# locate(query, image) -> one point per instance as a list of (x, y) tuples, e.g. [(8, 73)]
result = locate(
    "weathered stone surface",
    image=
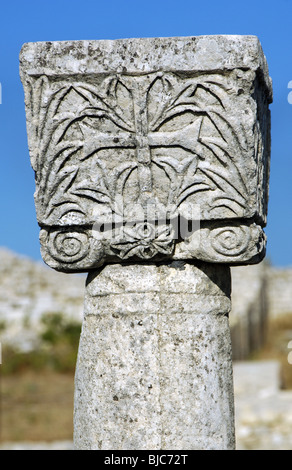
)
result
[(153, 135), (154, 367), (154, 154)]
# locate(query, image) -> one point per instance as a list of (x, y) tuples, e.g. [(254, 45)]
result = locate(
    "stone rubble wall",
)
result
[(260, 293), (250, 309), (28, 290), (280, 291)]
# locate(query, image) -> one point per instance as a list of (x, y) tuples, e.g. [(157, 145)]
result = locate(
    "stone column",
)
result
[(152, 167), (154, 368)]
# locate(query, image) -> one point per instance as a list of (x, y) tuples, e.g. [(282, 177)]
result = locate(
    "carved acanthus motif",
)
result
[(162, 142), (144, 118)]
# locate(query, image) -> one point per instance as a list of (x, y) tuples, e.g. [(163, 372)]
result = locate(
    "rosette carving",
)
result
[(144, 240)]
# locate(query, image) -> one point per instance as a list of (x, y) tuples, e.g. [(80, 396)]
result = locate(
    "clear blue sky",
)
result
[(31, 20)]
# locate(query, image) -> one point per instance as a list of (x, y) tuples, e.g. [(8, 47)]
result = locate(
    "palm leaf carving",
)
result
[(208, 101), (193, 115)]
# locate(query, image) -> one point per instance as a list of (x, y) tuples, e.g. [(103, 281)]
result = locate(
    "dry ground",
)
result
[(36, 406)]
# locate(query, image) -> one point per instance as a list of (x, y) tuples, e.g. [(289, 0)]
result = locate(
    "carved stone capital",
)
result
[(149, 149)]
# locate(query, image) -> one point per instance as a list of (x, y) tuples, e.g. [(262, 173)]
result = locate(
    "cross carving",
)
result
[(143, 140), (129, 140)]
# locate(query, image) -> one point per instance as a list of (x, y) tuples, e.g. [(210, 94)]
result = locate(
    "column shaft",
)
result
[(154, 368)]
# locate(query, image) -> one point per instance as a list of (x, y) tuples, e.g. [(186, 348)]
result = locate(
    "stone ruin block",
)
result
[(149, 149)]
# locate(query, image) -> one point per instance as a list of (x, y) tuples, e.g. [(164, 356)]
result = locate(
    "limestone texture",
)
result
[(154, 366), (151, 159), (154, 148)]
